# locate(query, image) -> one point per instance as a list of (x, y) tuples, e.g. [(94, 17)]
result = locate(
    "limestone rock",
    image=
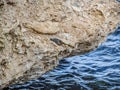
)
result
[(1, 40), (44, 27), (36, 34)]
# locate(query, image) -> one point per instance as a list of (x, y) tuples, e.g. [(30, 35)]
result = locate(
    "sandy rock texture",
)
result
[(36, 34)]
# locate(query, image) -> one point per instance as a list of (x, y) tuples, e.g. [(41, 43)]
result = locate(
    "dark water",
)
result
[(97, 70)]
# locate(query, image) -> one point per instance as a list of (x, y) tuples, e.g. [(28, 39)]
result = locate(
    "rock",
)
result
[(47, 27), (1, 40), (36, 34)]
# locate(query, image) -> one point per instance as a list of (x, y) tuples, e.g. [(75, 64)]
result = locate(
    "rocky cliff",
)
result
[(35, 34)]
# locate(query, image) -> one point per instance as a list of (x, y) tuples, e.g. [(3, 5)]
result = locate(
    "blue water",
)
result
[(97, 70)]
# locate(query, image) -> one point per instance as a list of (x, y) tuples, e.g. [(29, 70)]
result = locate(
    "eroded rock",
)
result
[(2, 41), (47, 27), (36, 34)]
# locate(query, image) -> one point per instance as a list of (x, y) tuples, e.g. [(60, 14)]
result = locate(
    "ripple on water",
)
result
[(97, 70)]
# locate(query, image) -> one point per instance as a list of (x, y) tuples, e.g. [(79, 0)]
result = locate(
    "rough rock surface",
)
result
[(35, 34)]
